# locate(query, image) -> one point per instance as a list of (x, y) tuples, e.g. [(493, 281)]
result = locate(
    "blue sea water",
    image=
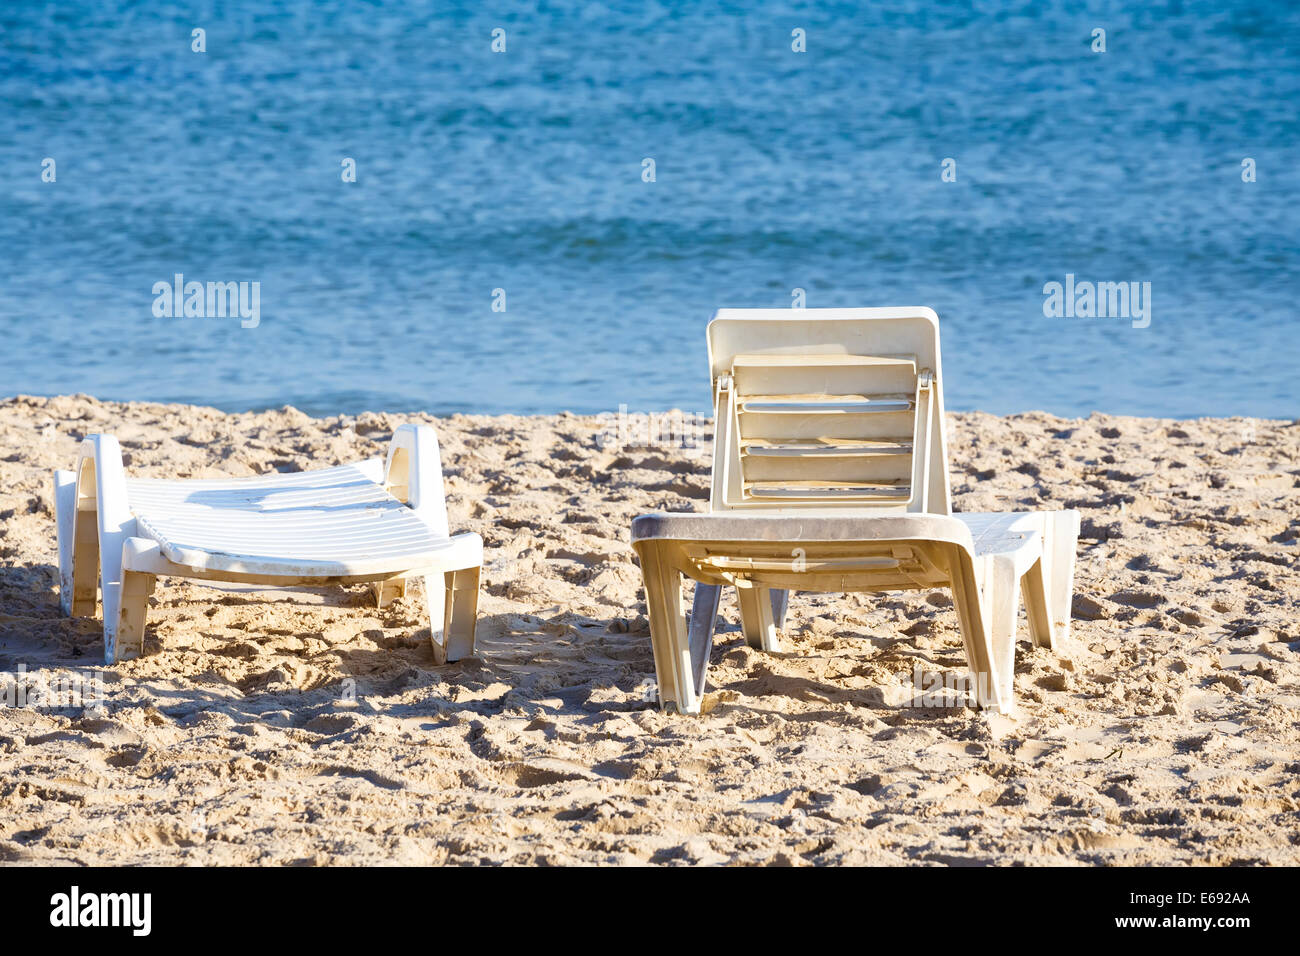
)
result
[(522, 171)]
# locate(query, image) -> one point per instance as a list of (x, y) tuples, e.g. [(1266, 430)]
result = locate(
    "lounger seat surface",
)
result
[(983, 533), (783, 527), (332, 522)]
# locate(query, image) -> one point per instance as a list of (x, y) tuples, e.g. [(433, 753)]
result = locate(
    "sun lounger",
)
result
[(372, 522), (830, 474)]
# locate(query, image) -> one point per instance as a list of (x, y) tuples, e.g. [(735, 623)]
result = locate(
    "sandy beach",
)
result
[(1169, 731)]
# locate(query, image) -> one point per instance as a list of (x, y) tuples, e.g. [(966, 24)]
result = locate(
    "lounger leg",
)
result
[(65, 510), (461, 600), (973, 613), (78, 548), (699, 632), (780, 604), (388, 590), (112, 587), (1060, 544), (1037, 610), (756, 619), (668, 634), (1002, 599), (435, 599), (128, 642)]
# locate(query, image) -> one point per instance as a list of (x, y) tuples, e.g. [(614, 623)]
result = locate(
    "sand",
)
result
[(1169, 730)]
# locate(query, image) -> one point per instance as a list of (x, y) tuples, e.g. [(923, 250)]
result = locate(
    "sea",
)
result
[(532, 208)]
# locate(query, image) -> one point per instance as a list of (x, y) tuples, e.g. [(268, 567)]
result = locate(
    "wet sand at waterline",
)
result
[(1169, 730)]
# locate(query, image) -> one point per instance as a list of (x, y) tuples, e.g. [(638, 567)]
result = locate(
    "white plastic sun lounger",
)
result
[(830, 474), (374, 522)]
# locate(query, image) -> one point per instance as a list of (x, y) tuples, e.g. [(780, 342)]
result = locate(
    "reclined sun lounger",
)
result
[(830, 474), (375, 522)]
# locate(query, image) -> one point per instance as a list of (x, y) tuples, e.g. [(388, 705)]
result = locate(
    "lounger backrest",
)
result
[(828, 409)]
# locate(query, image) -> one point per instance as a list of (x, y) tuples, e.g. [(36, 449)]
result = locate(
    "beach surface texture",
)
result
[(309, 727)]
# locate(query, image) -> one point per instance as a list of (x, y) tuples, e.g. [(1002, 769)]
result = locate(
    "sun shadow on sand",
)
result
[(581, 666), (516, 668), (34, 632), (30, 590)]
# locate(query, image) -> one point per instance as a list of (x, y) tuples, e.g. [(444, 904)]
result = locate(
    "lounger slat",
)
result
[(828, 489), (824, 447), (800, 565), (805, 360), (825, 404)]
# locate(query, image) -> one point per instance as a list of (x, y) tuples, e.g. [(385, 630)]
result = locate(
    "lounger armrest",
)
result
[(413, 474), (100, 475), (101, 497)]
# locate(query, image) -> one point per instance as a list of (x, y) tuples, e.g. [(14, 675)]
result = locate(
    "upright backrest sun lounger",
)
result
[(830, 474), (374, 521)]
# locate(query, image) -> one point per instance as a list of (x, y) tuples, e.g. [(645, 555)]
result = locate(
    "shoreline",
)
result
[(1165, 734), (703, 413)]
